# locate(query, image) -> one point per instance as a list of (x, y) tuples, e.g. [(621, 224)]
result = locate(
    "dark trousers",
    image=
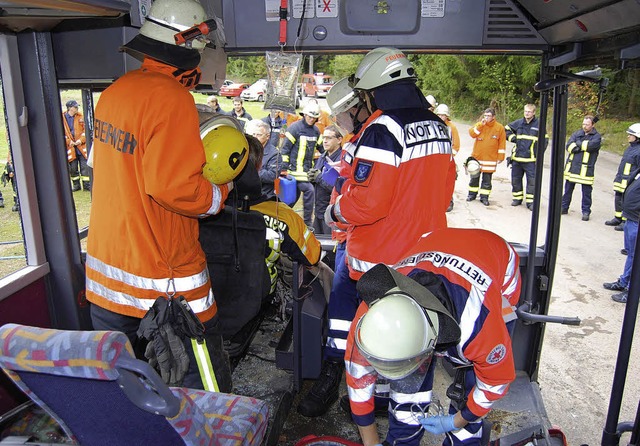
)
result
[(319, 225), (79, 173), (103, 319), (587, 189), (518, 171), (617, 203), (476, 186), (308, 199)]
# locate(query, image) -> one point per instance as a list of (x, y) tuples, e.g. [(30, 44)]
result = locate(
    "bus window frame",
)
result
[(17, 121)]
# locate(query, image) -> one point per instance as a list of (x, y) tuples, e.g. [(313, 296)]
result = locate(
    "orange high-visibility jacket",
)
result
[(148, 191), (78, 131), (490, 145)]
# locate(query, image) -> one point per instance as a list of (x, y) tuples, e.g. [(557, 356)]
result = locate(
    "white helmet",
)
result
[(441, 109), (397, 335), (634, 130), (382, 66), (311, 109), (168, 17), (341, 97), (432, 101), (472, 166)]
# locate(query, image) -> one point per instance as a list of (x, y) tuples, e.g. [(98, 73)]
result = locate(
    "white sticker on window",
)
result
[(327, 8), (432, 8), (298, 5)]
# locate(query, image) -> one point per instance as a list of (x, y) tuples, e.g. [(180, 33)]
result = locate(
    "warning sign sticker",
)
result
[(432, 8), (298, 5), (327, 8)]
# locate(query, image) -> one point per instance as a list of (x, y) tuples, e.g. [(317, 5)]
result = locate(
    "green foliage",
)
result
[(246, 69)]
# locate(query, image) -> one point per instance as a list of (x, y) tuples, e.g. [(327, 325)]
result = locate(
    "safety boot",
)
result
[(484, 200), (450, 206), (615, 221), (324, 392), (1, 202), (516, 202), (471, 197), (620, 227)]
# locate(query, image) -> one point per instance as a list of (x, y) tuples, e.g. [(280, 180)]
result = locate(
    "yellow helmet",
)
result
[(225, 148)]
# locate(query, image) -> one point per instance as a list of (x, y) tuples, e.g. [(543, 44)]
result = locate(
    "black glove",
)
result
[(167, 354), (313, 175), (509, 162), (576, 149)]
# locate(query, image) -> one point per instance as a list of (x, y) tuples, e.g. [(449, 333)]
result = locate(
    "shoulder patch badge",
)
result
[(362, 171), (497, 354)]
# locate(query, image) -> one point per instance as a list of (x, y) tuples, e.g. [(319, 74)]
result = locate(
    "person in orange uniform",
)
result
[(76, 141), (149, 191), (474, 275), (489, 149)]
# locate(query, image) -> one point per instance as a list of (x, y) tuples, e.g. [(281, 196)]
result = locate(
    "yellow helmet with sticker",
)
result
[(225, 147)]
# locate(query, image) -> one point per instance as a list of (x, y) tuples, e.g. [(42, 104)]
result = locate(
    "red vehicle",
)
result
[(233, 90)]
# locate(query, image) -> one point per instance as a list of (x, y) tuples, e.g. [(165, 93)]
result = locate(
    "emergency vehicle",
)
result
[(50, 45)]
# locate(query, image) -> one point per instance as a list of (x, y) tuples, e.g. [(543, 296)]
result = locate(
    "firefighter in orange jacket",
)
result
[(76, 142), (489, 149), (149, 191)]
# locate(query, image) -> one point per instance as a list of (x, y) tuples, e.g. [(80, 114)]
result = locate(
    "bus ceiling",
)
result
[(605, 32)]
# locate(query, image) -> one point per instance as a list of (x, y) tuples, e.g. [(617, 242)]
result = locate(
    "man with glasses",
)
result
[(271, 159), (324, 176), (489, 149)]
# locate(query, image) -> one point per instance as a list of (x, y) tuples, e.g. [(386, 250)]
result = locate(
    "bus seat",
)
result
[(93, 385)]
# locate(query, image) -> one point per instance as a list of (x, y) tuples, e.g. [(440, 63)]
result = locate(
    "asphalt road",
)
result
[(577, 363)]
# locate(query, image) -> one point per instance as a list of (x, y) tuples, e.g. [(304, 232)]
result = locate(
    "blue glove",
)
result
[(439, 424)]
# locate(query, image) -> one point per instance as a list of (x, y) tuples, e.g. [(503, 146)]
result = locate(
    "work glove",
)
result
[(509, 162), (329, 216), (313, 175), (167, 354), (576, 149), (439, 424)]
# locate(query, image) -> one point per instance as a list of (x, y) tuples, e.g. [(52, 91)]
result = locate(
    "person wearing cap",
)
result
[(523, 133), (489, 150), (149, 190), (442, 110), (448, 296), (76, 142), (302, 140)]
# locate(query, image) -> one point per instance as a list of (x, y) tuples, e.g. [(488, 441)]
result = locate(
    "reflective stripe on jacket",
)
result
[(583, 152), (148, 192), (489, 146), (630, 162), (482, 278), (525, 136), (401, 184), (78, 130), (299, 146), (287, 232)]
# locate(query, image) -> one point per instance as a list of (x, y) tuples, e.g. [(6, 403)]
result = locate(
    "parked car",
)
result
[(256, 92), (316, 85), (226, 83), (233, 90)]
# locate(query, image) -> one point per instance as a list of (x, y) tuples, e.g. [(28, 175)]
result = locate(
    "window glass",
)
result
[(12, 250)]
